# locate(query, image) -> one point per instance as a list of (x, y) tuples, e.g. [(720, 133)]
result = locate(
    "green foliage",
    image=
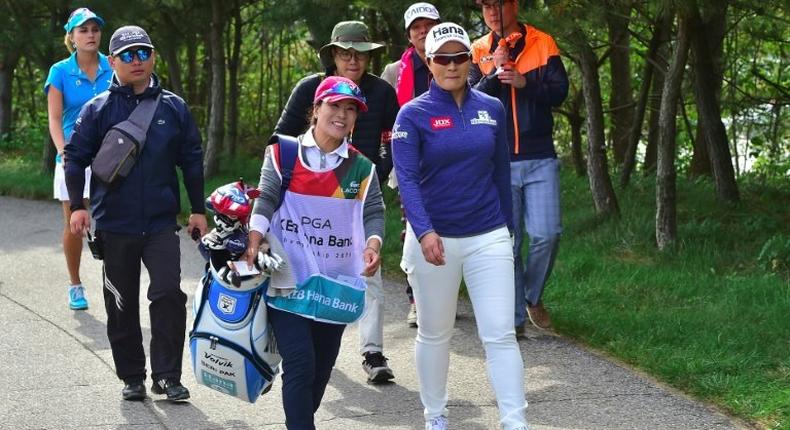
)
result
[(25, 141), (775, 254), (709, 317), (21, 177)]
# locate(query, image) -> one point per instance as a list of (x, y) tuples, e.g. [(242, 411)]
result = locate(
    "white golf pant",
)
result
[(371, 325), (485, 263)]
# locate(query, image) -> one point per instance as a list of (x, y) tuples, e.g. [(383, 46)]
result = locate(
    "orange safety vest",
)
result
[(538, 48)]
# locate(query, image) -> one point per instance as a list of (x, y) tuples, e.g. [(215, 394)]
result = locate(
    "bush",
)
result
[(775, 254)]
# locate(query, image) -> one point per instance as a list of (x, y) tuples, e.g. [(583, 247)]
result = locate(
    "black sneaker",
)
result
[(375, 364), (521, 331), (172, 387), (133, 391)]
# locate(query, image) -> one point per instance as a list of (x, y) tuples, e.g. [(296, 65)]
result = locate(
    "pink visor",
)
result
[(336, 88)]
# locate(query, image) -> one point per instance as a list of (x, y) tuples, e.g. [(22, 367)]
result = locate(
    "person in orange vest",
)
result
[(521, 66)]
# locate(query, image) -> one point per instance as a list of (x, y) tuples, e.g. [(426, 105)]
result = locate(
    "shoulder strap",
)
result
[(289, 148), (143, 114)]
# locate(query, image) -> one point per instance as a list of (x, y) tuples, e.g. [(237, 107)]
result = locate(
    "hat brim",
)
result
[(96, 18), (125, 47), (432, 17), (363, 107), (325, 53)]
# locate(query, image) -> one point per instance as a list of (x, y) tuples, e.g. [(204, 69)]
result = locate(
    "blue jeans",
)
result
[(535, 189), (309, 350)]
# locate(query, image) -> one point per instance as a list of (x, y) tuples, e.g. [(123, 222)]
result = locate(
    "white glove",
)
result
[(269, 262)]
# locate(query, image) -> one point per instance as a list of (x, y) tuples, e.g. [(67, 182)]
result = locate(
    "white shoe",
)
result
[(438, 423), (411, 318)]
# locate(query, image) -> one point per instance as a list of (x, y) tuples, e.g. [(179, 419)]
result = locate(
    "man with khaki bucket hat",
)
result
[(348, 55)]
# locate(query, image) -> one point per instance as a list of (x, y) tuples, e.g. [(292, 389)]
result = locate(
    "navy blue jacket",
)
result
[(147, 201), (452, 164)]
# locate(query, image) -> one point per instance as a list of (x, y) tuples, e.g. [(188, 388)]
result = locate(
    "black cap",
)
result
[(128, 36)]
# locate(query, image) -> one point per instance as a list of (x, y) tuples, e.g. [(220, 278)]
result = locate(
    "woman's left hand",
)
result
[(372, 260)]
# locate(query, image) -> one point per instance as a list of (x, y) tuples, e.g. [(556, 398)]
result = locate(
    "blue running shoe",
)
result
[(77, 300)]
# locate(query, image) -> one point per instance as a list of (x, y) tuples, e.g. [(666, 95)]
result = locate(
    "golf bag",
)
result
[(232, 345)]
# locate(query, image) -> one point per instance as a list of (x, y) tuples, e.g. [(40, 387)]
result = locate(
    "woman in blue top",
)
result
[(70, 84), (451, 160)]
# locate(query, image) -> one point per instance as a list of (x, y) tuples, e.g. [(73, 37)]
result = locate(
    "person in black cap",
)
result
[(136, 218), (348, 55)]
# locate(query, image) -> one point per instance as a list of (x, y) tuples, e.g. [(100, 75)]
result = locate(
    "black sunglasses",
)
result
[(143, 54), (457, 58)]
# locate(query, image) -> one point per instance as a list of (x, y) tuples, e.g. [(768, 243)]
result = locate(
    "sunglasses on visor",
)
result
[(143, 54), (344, 89), (457, 58)]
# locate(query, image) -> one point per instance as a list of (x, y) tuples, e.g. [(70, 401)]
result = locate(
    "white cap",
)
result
[(420, 10), (443, 33)]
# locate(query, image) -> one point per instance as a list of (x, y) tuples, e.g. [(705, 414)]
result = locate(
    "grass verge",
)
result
[(707, 317)]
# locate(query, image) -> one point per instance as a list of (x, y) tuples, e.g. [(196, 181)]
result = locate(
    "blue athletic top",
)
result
[(452, 163), (77, 88)]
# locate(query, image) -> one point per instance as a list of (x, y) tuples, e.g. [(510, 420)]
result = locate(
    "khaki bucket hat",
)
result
[(347, 35)]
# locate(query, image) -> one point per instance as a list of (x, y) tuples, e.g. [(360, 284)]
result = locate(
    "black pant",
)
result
[(161, 255), (309, 350)]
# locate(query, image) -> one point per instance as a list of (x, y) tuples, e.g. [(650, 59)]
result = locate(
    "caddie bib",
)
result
[(320, 226)]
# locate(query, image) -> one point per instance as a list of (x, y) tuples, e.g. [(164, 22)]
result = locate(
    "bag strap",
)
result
[(289, 149), (143, 114)]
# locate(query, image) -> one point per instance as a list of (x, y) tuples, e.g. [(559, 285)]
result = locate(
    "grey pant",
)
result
[(371, 325), (535, 187)]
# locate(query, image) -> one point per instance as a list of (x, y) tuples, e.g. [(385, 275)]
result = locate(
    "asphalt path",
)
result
[(56, 369)]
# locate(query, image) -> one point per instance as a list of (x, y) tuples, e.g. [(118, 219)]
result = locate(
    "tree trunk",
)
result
[(621, 101), (656, 96), (233, 81), (192, 69), (170, 55), (707, 78), (47, 57), (604, 198), (576, 121), (700, 160), (216, 130), (662, 29), (666, 187), (7, 66), (713, 30), (577, 153)]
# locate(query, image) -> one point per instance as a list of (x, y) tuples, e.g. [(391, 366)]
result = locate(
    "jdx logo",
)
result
[(442, 122)]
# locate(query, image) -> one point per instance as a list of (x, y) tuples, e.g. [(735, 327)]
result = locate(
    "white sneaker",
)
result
[(411, 318), (438, 423)]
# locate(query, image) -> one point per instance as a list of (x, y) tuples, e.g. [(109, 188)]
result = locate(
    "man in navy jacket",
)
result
[(136, 218)]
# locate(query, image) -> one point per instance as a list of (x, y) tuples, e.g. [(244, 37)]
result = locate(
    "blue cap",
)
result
[(81, 16)]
